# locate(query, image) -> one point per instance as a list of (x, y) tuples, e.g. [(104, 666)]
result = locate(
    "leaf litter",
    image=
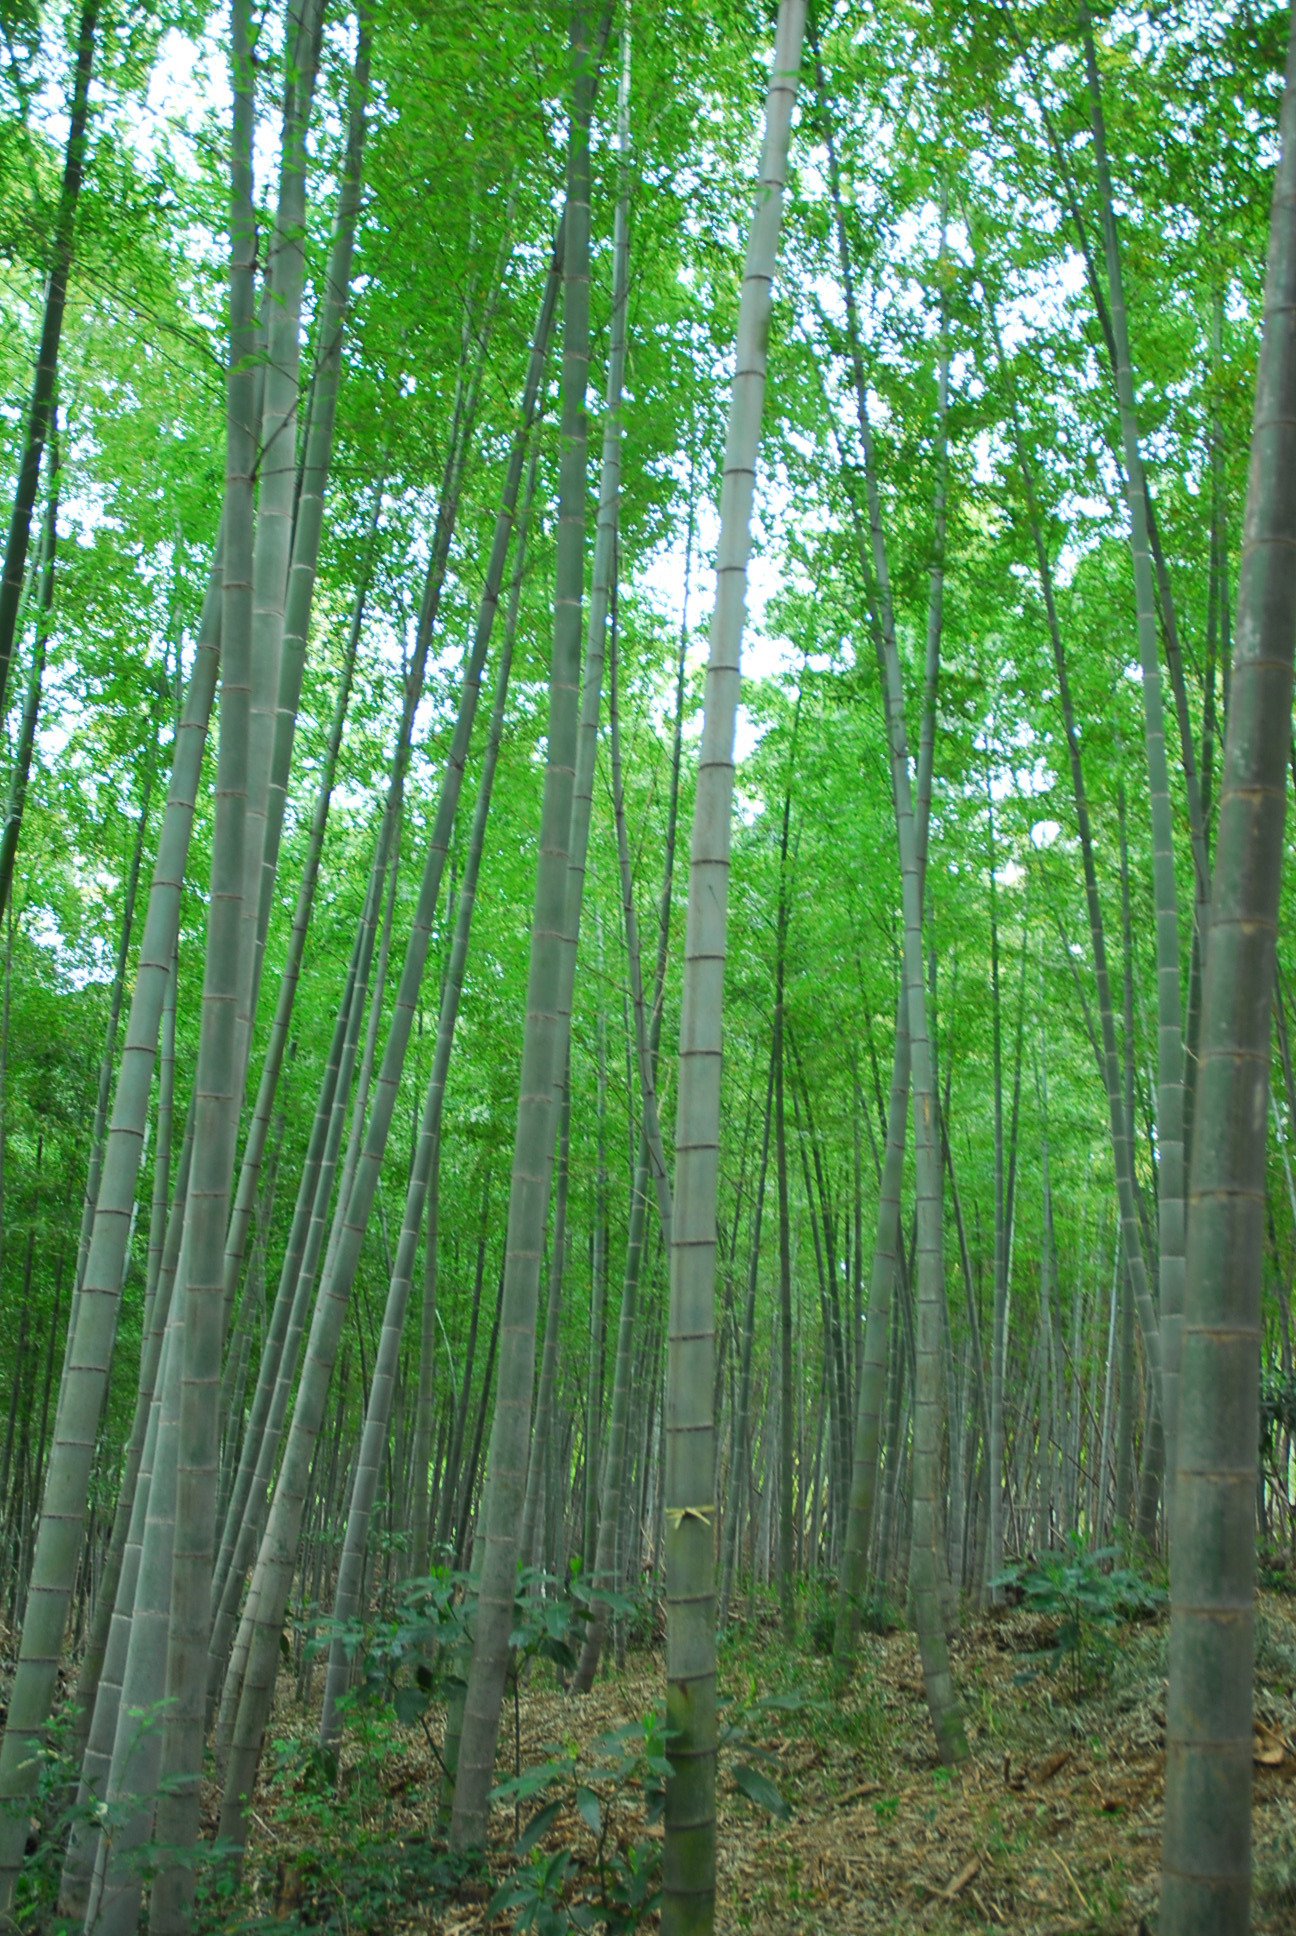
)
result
[(1052, 1828)]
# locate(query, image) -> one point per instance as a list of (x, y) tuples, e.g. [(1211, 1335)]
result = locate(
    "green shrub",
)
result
[(821, 1619), (1089, 1596)]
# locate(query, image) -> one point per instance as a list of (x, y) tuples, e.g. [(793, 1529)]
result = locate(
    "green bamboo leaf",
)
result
[(409, 1703), (540, 1823), (760, 1789), (587, 1802)]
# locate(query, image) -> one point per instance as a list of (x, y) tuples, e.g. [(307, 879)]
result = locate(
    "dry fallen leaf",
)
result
[(966, 1874), (857, 1794)]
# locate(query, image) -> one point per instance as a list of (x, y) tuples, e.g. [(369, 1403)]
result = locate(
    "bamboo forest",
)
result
[(647, 1086)]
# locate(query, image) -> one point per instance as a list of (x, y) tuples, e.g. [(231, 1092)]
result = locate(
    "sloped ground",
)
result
[(1053, 1829)]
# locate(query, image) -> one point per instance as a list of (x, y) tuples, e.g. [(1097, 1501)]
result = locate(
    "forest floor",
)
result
[(1053, 1828)]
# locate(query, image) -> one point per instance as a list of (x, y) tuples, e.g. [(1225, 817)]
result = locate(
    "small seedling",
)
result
[(1089, 1595)]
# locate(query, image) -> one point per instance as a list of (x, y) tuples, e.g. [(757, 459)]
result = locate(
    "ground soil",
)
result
[(1052, 1828)]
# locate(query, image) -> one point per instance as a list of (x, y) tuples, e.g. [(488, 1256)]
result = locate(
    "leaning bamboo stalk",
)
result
[(387, 879), (290, 973), (647, 1029), (378, 1410), (245, 1517), (868, 1418), (103, 1667), (542, 1426), (739, 1462), (40, 410), (1170, 1064), (473, 1466), (247, 1530), (548, 1016), (306, 529), (650, 1156), (198, 1303), (836, 1350), (279, 1542), (93, 1330), (96, 1713), (317, 1165), (130, 1789), (1125, 1408), (602, 604), (300, 1265), (1206, 1856), (999, 1307), (450, 1485), (597, 1326), (108, 1060), (252, 1316), (896, 1431), (1196, 788), (786, 1563), (164, 1132), (1122, 1154), (690, 1846), (980, 1417), (942, 1700), (421, 1501), (276, 481), (21, 771)]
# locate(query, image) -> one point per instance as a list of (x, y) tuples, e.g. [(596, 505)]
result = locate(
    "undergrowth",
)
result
[(1088, 1596)]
